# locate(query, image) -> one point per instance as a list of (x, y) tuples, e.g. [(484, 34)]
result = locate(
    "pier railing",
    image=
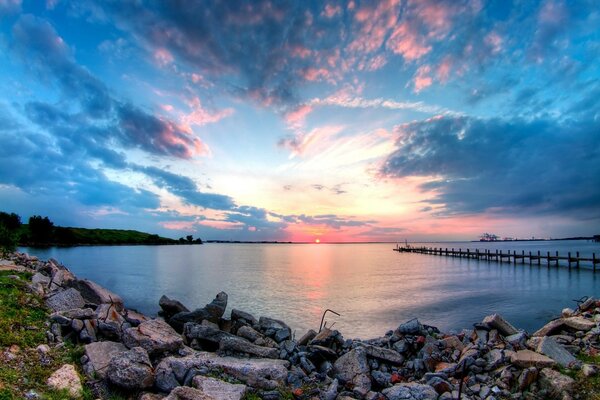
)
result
[(570, 260)]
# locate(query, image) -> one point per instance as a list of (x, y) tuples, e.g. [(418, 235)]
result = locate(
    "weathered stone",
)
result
[(244, 316), (528, 358), (332, 391), (567, 312), (440, 385), (249, 333), (586, 305), (353, 367), (204, 334), (495, 321), (236, 344), (453, 342), (212, 312), (527, 377), (66, 378), (151, 396), (78, 313), (260, 373), (99, 355), (410, 391), (266, 323), (282, 334), (96, 294), (135, 318), (88, 333), (131, 370), (555, 383), (219, 389), (322, 352), (307, 337), (579, 323), (549, 328), (171, 307), (589, 370), (110, 321), (77, 325), (382, 353), (550, 347), (188, 393), (518, 339), (40, 278), (155, 336), (65, 300), (412, 327), (324, 338)]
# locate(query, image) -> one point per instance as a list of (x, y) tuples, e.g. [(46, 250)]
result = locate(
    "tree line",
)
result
[(41, 231)]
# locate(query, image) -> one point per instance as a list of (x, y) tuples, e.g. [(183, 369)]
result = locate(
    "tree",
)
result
[(41, 229), (11, 221), (9, 230), (189, 238)]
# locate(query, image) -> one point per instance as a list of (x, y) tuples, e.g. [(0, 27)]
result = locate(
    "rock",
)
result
[(249, 333), (261, 373), (155, 336), (326, 337), (151, 396), (412, 327), (282, 334), (43, 349), (266, 323), (567, 312), (88, 333), (495, 321), (99, 355), (549, 328), (579, 323), (204, 334), (110, 321), (453, 342), (353, 367), (307, 337), (171, 307), (518, 339), (187, 393), (40, 278), (211, 312), (66, 377), (586, 305), (65, 300), (96, 294), (77, 325), (528, 358), (78, 313), (219, 389), (131, 370), (240, 345), (410, 391), (321, 352), (135, 318), (384, 354), (550, 347), (440, 385), (589, 370), (555, 383), (332, 391), (527, 377), (248, 318)]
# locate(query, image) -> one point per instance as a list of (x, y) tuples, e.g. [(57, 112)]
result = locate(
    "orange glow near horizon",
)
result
[(317, 241)]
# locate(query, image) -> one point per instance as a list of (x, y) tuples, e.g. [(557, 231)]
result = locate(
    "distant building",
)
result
[(488, 237)]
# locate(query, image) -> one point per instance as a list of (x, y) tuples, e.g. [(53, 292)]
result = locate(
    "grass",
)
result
[(587, 388)]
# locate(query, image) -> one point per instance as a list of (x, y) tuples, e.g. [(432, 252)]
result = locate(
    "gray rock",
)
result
[(131, 370), (171, 307), (187, 393), (261, 373), (135, 318), (412, 327), (381, 378), (249, 333), (204, 334), (239, 345), (155, 336), (440, 385), (248, 318), (579, 323), (527, 377), (410, 391), (88, 333), (110, 321), (353, 367), (40, 278), (96, 294), (555, 383), (332, 391), (382, 353), (266, 323), (495, 321), (211, 312), (78, 313), (282, 334), (65, 300), (66, 378), (219, 389), (550, 347), (528, 358), (517, 340), (99, 355), (77, 325), (589, 370), (307, 337), (549, 328)]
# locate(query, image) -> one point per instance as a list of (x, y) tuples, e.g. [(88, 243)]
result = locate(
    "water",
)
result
[(372, 287)]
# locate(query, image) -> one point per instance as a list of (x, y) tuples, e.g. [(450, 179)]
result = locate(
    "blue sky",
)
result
[(298, 120)]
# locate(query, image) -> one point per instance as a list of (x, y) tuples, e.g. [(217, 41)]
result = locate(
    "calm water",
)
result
[(372, 287)]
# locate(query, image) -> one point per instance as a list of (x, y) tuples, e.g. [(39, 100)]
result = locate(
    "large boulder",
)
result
[(239, 315), (239, 345), (219, 389), (410, 391), (65, 300), (188, 393), (384, 354), (495, 321), (171, 307), (274, 328), (412, 327), (66, 378), (96, 294), (260, 373), (550, 347), (131, 370), (528, 358), (555, 384), (99, 355), (155, 336), (353, 368), (211, 312)]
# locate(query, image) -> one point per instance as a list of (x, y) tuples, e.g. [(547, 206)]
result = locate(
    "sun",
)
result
[(317, 241)]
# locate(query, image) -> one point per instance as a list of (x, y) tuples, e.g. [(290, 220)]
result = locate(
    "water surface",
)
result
[(372, 287)]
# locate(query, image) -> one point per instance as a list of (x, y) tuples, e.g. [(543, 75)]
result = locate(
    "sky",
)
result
[(300, 120)]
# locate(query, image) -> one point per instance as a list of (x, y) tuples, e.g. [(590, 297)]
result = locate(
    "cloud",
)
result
[(507, 166)]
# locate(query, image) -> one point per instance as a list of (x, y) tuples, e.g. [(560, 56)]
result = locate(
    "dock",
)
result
[(569, 260)]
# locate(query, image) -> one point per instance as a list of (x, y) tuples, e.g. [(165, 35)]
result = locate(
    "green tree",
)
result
[(189, 238), (9, 230), (41, 229)]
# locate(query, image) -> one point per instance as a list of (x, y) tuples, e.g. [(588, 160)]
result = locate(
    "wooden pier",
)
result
[(570, 260)]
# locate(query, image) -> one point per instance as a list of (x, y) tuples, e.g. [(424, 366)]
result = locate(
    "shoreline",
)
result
[(266, 361)]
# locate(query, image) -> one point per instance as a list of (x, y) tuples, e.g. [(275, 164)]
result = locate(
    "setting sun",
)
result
[(317, 240)]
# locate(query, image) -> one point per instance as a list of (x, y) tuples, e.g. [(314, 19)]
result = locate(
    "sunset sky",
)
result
[(301, 120)]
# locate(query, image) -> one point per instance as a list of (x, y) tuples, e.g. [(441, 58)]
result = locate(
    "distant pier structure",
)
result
[(550, 258)]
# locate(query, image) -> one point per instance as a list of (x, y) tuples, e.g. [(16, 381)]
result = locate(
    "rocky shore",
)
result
[(206, 353)]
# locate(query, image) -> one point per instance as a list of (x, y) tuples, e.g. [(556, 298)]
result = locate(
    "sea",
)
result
[(371, 287)]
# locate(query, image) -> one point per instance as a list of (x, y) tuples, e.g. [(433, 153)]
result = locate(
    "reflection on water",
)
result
[(373, 288)]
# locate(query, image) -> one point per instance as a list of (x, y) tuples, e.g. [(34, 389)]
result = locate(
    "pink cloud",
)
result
[(443, 70), (295, 119), (331, 10), (163, 57), (422, 78), (199, 116), (406, 41), (315, 74), (374, 24), (494, 41), (178, 225)]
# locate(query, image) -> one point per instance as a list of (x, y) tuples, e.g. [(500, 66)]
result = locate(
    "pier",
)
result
[(569, 260)]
